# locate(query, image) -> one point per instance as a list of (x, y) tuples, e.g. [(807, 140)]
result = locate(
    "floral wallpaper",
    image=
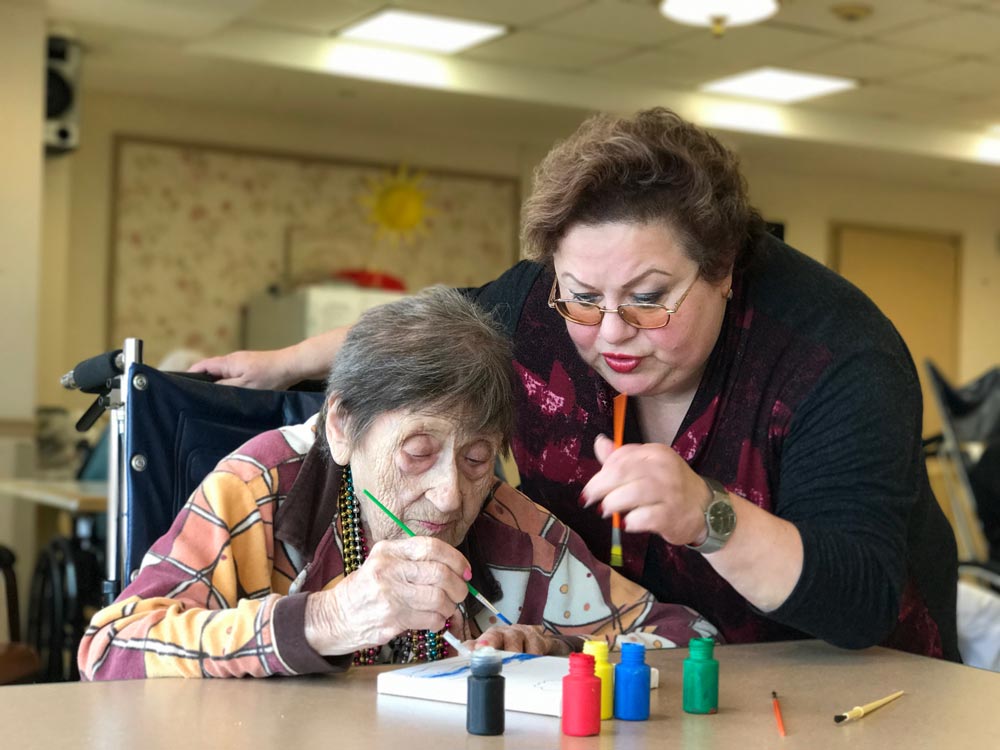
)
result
[(200, 230)]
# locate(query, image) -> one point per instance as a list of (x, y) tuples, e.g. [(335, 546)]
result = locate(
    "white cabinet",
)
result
[(276, 320)]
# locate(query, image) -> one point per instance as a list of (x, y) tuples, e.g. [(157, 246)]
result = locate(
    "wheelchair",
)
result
[(968, 454), (167, 432)]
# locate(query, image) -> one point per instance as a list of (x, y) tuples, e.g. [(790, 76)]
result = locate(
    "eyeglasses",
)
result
[(638, 314)]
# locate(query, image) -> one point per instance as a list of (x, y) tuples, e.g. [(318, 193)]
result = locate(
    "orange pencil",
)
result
[(616, 535), (777, 713)]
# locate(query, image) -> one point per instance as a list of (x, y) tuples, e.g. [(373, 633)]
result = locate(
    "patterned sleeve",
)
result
[(202, 604), (556, 581)]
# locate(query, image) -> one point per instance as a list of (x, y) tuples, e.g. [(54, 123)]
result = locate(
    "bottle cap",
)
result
[(633, 653), (597, 649), (701, 648), (581, 664), (486, 662)]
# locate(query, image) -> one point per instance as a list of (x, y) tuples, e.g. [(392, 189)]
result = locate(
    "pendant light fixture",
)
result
[(718, 14)]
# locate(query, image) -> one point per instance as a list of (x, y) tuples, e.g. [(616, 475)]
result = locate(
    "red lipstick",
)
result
[(621, 362)]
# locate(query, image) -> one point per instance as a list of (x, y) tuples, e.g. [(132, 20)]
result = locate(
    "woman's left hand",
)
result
[(652, 488), (526, 639)]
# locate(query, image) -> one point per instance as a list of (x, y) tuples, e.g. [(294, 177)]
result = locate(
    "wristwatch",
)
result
[(720, 520)]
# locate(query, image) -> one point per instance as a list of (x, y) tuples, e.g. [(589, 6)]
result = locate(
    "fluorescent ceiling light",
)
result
[(777, 85), (719, 14), (994, 128), (422, 31)]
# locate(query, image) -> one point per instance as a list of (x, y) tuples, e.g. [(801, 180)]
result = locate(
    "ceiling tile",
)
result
[(887, 101), (865, 60), (667, 69), (977, 111), (511, 12), (888, 14), (617, 21), (312, 16), (965, 78), (533, 49), (752, 46), (964, 32)]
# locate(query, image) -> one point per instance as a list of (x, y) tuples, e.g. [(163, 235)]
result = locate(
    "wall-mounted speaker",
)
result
[(62, 129)]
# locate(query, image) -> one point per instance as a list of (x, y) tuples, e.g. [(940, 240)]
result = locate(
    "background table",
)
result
[(65, 588), (68, 495), (946, 706)]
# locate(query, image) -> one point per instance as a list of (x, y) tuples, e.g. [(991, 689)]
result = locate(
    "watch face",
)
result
[(721, 519)]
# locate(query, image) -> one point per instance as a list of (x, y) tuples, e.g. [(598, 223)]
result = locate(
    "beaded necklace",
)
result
[(413, 645)]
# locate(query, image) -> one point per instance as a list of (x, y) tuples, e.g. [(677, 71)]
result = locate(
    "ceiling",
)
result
[(929, 72)]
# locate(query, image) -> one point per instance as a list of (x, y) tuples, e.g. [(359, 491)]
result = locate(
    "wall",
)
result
[(22, 45), (807, 204), (85, 325)]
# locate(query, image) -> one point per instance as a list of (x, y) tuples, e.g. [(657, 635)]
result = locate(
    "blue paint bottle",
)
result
[(632, 684)]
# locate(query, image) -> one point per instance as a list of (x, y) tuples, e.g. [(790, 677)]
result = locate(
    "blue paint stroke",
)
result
[(465, 668)]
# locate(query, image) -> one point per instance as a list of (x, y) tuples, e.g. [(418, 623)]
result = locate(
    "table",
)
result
[(65, 494), (946, 705)]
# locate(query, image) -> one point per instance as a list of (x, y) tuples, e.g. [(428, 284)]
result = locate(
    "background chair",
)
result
[(18, 661), (968, 453)]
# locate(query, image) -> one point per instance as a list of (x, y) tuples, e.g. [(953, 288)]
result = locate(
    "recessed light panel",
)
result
[(422, 31), (778, 85)]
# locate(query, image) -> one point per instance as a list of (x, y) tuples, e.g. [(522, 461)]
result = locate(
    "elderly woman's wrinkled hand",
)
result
[(652, 488), (404, 584), (526, 639)]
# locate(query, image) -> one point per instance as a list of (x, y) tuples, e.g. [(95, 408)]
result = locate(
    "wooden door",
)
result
[(913, 277)]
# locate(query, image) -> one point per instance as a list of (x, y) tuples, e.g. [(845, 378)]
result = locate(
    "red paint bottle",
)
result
[(581, 698)]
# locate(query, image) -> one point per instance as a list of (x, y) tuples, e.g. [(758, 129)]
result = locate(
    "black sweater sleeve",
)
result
[(848, 483)]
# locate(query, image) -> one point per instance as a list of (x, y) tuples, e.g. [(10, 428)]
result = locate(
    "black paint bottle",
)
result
[(485, 705)]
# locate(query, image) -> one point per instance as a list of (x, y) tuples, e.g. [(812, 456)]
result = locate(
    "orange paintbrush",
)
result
[(616, 521)]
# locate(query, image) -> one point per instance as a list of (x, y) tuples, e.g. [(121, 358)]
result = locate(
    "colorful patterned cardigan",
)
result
[(223, 593)]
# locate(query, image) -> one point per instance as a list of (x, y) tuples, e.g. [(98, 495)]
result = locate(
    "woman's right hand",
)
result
[(415, 583), (266, 370), (277, 368)]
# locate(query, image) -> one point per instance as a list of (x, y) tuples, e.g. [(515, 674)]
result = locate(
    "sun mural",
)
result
[(397, 205)]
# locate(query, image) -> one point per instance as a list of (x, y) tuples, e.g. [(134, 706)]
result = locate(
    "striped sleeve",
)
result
[(203, 604)]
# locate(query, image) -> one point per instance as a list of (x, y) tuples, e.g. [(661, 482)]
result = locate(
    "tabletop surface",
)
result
[(65, 494), (945, 705)]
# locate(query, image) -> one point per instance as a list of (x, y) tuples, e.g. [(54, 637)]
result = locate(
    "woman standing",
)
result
[(773, 477)]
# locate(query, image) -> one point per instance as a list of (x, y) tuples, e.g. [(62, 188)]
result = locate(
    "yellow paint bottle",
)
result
[(606, 671)]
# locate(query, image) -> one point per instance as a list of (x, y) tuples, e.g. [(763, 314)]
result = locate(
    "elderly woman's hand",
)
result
[(526, 639), (414, 583), (652, 488)]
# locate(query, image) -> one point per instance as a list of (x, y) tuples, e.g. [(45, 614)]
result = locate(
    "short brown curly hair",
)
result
[(652, 167)]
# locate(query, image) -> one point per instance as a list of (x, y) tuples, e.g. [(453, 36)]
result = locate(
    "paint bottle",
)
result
[(484, 710), (701, 678), (606, 673), (581, 698), (632, 684)]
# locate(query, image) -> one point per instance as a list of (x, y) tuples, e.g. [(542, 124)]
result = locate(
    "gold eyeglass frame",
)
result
[(555, 305)]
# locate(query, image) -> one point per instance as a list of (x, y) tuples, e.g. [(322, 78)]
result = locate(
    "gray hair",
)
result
[(436, 351)]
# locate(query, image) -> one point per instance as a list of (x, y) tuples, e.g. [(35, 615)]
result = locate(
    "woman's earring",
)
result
[(729, 294)]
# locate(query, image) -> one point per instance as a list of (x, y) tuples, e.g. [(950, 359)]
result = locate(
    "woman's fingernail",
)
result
[(600, 507), (467, 575), (582, 500), (621, 523)]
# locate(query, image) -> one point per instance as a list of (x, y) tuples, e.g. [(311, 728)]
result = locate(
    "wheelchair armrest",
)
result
[(986, 572)]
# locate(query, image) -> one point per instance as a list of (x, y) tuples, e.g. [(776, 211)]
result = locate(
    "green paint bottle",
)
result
[(701, 678)]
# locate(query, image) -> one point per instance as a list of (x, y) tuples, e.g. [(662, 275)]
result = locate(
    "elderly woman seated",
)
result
[(279, 564)]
